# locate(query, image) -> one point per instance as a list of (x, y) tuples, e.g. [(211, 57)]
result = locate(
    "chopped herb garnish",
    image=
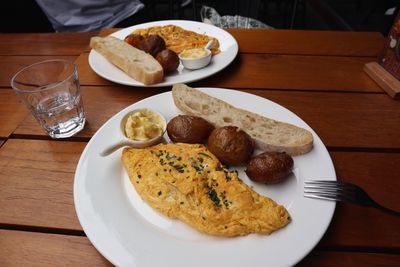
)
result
[(159, 193), (214, 197), (170, 156), (198, 167)]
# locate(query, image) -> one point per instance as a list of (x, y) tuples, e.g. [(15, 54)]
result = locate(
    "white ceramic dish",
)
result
[(228, 46), (125, 141), (128, 232), (196, 63)]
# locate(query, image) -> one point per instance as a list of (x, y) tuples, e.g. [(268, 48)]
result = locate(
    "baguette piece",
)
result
[(136, 63), (268, 134)]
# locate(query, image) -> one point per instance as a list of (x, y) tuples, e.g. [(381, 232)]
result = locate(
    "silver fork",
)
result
[(342, 191)]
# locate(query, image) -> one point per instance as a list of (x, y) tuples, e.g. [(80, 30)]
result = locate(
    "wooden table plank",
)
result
[(334, 259), (303, 42), (10, 65), (307, 42), (36, 183), (44, 44), (339, 119), (377, 174), (38, 249), (12, 112), (36, 180), (260, 71), (345, 120)]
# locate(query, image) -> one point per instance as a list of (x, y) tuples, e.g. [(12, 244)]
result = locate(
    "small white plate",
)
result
[(228, 46), (128, 232)]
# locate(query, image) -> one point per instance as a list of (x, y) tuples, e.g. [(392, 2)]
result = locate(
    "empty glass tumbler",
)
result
[(51, 91)]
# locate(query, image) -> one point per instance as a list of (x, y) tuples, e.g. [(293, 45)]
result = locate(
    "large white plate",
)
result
[(130, 233), (228, 46)]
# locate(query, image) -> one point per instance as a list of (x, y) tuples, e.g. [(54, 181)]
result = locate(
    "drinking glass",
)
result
[(51, 91)]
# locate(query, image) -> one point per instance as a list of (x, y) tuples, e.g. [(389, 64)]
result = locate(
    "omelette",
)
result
[(178, 39), (187, 182)]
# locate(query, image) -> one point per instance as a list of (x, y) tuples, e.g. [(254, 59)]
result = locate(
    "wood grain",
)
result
[(10, 65), (38, 249), (261, 71), (341, 120), (44, 44), (12, 112), (377, 174), (300, 42), (311, 73), (36, 181), (345, 120), (385, 80), (334, 259)]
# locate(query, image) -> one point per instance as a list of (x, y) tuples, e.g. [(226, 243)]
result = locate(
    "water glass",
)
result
[(51, 91)]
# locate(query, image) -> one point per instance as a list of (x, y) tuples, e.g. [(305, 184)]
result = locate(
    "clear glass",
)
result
[(51, 91)]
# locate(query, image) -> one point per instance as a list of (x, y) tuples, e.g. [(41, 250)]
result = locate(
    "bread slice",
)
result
[(136, 63), (268, 134)]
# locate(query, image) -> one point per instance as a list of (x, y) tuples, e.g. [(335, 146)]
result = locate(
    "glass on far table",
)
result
[(51, 91)]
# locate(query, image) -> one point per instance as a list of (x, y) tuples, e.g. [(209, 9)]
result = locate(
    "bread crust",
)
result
[(268, 134), (136, 63)]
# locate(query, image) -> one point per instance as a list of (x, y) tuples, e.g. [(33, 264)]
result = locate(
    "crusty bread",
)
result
[(136, 63), (268, 134)]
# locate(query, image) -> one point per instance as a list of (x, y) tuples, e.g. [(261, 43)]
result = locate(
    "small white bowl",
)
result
[(125, 141), (196, 63)]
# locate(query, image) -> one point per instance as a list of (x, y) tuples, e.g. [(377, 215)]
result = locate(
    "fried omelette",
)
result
[(187, 182), (178, 39)]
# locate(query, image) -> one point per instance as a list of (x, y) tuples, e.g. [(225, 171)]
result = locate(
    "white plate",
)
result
[(228, 46), (128, 232)]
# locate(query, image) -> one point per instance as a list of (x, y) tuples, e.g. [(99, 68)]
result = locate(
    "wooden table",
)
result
[(317, 75)]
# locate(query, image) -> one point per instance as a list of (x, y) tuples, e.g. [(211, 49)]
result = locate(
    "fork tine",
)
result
[(342, 191), (322, 191), (336, 194), (326, 185), (321, 196), (323, 187), (320, 182)]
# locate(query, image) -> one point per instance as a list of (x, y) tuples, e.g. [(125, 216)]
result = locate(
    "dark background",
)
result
[(349, 15)]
